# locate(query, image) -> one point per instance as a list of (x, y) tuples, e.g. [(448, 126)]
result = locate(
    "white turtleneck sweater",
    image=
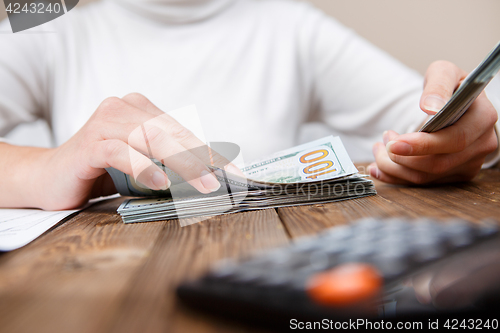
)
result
[(258, 71)]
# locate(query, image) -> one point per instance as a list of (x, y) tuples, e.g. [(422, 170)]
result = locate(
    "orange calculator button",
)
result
[(345, 285)]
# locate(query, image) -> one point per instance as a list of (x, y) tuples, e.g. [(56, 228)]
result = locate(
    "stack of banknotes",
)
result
[(466, 94), (313, 173)]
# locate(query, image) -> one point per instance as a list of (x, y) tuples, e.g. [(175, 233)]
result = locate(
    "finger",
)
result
[(164, 121), (441, 80), (135, 110), (207, 155), (478, 120), (119, 155), (445, 163), (389, 168), (420, 283), (141, 102), (478, 285), (172, 126), (220, 157), (198, 148), (159, 137), (117, 111), (186, 138), (388, 136), (118, 119), (465, 279), (164, 147), (377, 174)]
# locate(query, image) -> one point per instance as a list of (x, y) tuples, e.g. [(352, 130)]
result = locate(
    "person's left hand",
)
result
[(455, 153)]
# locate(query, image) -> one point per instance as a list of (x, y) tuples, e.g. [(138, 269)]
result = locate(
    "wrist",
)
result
[(42, 171), (25, 175)]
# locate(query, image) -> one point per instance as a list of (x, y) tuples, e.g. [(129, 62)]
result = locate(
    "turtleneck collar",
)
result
[(176, 11)]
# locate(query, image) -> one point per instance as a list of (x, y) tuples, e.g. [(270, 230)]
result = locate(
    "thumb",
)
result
[(441, 80)]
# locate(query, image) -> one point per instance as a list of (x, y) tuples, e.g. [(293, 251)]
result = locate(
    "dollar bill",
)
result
[(466, 94), (143, 210), (318, 160), (315, 161), (317, 172)]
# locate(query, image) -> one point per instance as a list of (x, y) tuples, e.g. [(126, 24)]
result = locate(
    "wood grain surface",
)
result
[(95, 274)]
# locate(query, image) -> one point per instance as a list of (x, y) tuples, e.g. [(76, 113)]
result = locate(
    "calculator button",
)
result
[(428, 248), (345, 285), (275, 279), (367, 224), (396, 226), (391, 263), (342, 232), (460, 233)]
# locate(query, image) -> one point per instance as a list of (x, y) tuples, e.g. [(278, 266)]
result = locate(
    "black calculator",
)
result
[(371, 268)]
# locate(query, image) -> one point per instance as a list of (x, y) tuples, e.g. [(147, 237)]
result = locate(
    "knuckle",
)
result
[(423, 146), (395, 158), (111, 149), (441, 63), (441, 166), (154, 134), (439, 88), (494, 144), (419, 178), (180, 132), (135, 96), (109, 109), (138, 165), (401, 160), (444, 65), (461, 141), (110, 103), (190, 164), (491, 144), (436, 64), (188, 167), (492, 117)]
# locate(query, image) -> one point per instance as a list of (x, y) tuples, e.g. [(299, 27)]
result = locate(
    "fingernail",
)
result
[(209, 181), (433, 103), (385, 137), (161, 181), (399, 148)]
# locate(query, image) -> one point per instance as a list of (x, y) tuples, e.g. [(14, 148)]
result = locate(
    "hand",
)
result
[(455, 153), (469, 279), (123, 134)]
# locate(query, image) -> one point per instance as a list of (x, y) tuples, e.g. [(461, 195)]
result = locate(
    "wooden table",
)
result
[(95, 274)]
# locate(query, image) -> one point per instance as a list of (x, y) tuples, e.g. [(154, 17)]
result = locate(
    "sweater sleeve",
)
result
[(359, 91), (23, 77)]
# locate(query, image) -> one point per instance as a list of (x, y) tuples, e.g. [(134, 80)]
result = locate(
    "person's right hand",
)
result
[(121, 133)]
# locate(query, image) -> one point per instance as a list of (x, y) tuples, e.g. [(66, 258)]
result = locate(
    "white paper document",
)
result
[(18, 227)]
